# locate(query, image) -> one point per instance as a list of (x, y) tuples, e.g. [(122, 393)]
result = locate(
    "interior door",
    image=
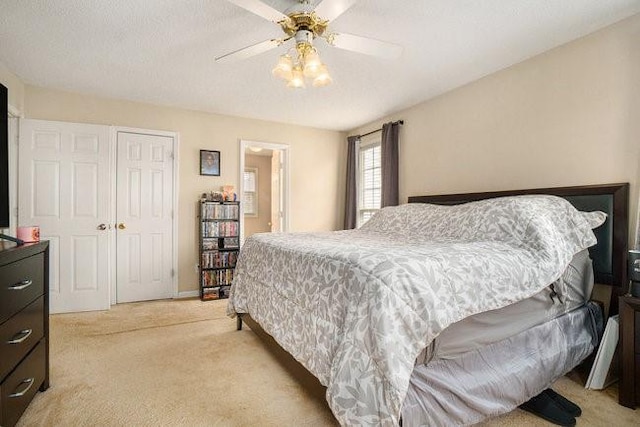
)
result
[(63, 186), (144, 225)]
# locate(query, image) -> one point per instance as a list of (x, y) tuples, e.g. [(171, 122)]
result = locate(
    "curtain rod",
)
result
[(399, 122)]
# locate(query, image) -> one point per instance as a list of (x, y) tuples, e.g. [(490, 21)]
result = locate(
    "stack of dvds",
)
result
[(215, 259), (212, 210), (219, 228), (211, 278)]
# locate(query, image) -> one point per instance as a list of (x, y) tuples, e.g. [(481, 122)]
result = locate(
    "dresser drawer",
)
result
[(19, 334), (21, 282), (21, 385)]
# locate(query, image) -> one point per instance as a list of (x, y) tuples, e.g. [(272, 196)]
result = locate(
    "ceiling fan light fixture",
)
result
[(284, 67), (303, 23), (306, 64)]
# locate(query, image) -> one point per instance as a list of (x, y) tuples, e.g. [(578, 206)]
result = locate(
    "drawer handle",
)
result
[(21, 285), (25, 334), (29, 382)]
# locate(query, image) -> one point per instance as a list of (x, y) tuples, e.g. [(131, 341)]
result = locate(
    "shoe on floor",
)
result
[(565, 403), (545, 407)]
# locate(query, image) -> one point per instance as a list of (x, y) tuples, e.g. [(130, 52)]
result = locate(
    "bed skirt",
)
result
[(495, 379)]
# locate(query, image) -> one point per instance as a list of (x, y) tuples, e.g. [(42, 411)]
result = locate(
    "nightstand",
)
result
[(629, 389)]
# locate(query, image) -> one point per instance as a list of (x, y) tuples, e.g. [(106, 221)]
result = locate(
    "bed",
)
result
[(370, 312)]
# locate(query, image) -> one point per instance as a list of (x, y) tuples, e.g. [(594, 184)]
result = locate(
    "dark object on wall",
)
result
[(209, 163), (4, 164), (4, 157)]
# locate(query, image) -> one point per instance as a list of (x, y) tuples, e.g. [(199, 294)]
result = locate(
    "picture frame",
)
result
[(209, 163)]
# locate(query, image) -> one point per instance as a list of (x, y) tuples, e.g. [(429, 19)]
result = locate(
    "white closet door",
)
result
[(144, 217), (63, 181)]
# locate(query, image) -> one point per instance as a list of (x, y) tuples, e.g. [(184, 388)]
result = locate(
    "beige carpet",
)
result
[(182, 363)]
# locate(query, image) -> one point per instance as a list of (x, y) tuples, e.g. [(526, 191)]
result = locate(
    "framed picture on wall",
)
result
[(209, 163)]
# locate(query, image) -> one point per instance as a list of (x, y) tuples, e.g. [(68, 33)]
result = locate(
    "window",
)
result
[(249, 187), (370, 182)]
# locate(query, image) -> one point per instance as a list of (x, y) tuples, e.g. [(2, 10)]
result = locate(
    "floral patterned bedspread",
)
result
[(356, 307)]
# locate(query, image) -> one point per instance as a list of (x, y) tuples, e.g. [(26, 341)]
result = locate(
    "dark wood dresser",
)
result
[(24, 327), (629, 389)]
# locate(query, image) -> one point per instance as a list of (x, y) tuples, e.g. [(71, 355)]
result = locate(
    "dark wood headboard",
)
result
[(610, 253)]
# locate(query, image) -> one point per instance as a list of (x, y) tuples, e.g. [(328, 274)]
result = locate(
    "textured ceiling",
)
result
[(162, 51)]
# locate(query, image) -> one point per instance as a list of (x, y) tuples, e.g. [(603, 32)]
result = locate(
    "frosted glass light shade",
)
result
[(283, 68), (312, 64), (322, 78), (297, 78)]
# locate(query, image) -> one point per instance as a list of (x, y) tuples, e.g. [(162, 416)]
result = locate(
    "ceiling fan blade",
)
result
[(331, 9), (365, 45), (249, 51), (260, 9)]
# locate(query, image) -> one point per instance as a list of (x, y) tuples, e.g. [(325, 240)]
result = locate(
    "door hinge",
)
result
[(171, 155), (173, 272)]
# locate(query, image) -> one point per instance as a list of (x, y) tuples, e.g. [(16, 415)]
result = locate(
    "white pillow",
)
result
[(595, 218)]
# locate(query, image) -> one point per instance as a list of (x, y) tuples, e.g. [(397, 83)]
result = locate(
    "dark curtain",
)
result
[(389, 170), (351, 200)]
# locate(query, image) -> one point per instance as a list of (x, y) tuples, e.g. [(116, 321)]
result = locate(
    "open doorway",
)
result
[(264, 184)]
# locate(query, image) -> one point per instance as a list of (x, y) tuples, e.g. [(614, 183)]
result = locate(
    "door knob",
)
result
[(122, 226), (102, 227)]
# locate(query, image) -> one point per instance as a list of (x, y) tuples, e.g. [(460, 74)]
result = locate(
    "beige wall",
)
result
[(15, 87), (567, 117), (317, 166), (260, 223)]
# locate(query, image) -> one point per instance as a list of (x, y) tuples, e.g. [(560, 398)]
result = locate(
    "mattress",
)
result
[(573, 290), (495, 379)]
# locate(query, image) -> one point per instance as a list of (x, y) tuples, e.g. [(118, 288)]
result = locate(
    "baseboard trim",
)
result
[(188, 294)]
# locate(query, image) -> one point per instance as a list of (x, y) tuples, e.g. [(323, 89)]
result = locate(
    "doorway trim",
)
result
[(114, 130), (286, 185)]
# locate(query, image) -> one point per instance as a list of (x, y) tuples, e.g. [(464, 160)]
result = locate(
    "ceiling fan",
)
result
[(304, 23)]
